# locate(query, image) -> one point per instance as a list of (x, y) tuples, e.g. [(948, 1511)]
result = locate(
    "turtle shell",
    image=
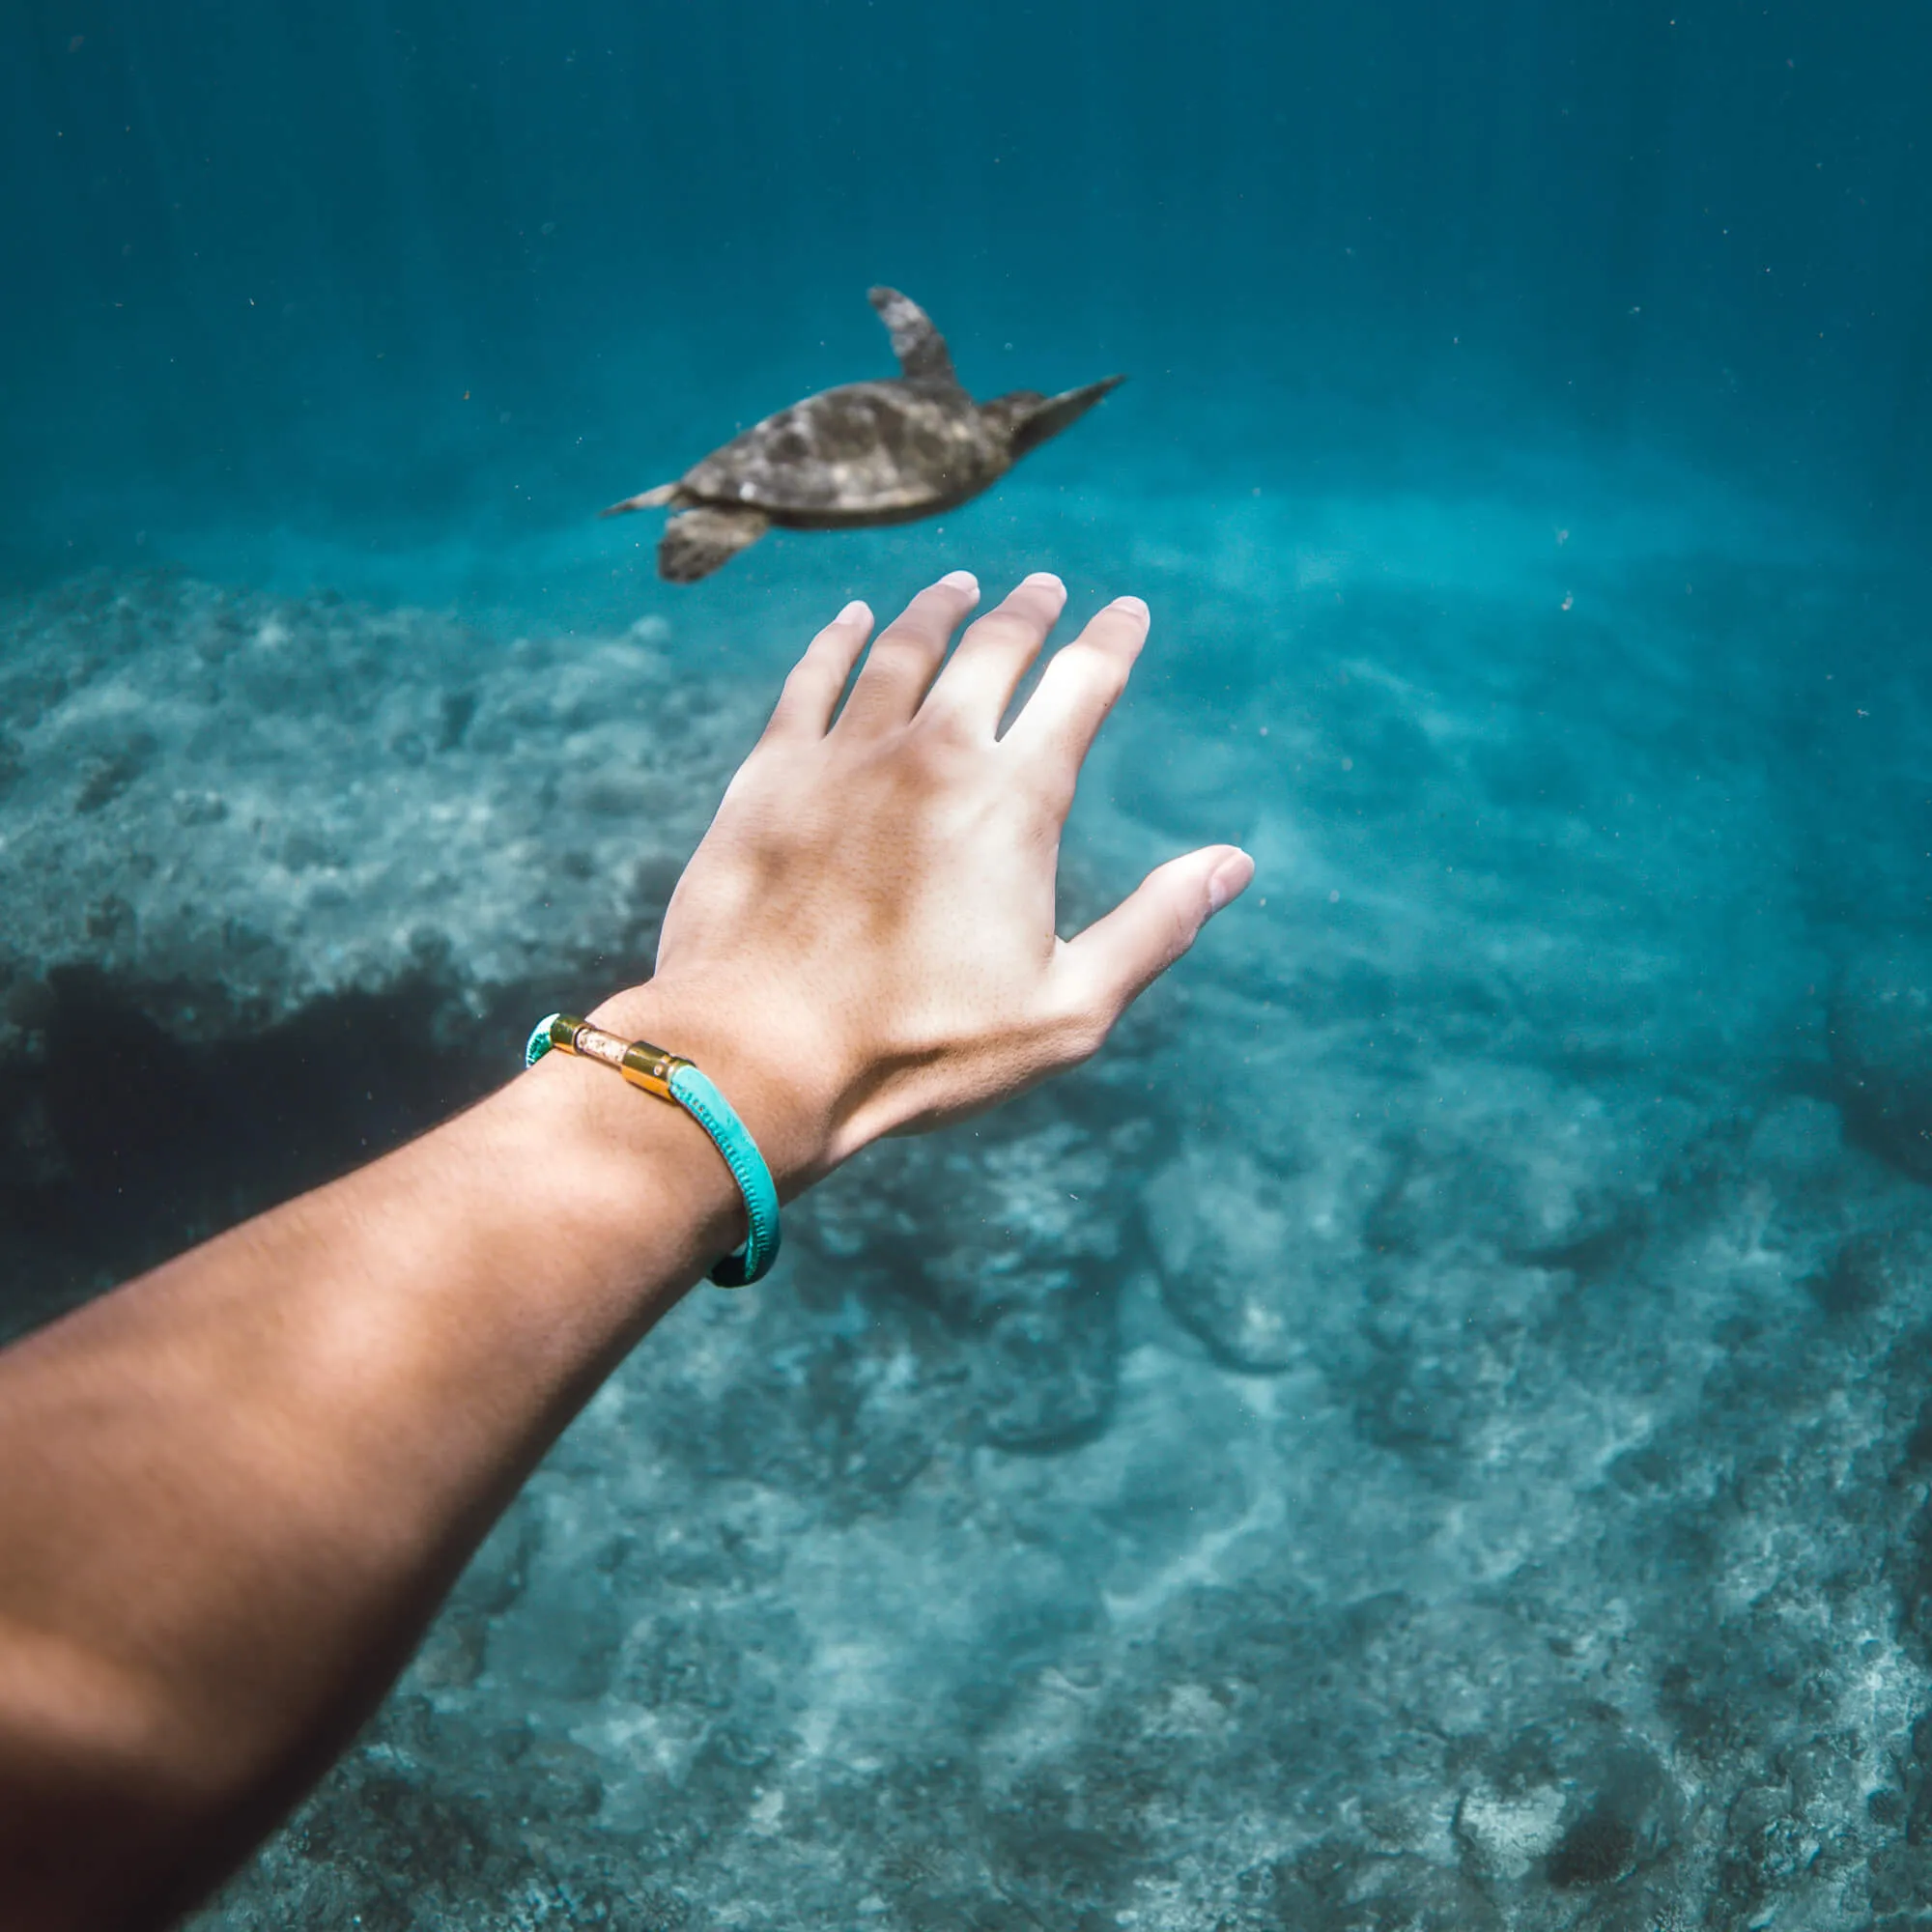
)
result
[(868, 452)]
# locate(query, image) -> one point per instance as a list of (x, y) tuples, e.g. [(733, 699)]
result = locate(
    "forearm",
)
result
[(232, 1492)]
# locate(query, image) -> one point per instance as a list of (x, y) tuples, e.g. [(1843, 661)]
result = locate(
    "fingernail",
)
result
[(853, 611), (1230, 877), (1046, 581), (1134, 606), (961, 580)]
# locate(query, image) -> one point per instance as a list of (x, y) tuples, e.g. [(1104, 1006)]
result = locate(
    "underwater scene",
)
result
[(1431, 1427)]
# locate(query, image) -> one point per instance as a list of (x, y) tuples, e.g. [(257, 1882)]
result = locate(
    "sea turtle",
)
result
[(885, 452)]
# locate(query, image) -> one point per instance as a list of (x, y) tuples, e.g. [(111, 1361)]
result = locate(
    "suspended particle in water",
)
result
[(1568, 600)]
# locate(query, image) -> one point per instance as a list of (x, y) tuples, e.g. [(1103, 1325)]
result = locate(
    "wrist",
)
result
[(772, 1094), (613, 1164)]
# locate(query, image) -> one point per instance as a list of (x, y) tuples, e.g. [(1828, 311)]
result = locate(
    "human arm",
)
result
[(233, 1493)]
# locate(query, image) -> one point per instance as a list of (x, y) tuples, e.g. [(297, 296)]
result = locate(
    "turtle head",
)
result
[(1027, 418)]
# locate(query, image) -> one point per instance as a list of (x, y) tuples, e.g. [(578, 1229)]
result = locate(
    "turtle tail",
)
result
[(649, 499)]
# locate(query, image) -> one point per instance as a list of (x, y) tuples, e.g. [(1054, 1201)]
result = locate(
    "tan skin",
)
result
[(233, 1493)]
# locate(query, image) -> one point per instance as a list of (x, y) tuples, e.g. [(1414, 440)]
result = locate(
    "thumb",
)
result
[(1118, 957)]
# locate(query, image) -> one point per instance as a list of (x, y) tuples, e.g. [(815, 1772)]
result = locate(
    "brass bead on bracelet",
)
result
[(641, 1064)]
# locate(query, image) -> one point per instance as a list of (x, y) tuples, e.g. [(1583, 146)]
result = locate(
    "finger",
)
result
[(1077, 690), (1118, 957), (813, 688), (906, 655), (810, 693), (975, 688)]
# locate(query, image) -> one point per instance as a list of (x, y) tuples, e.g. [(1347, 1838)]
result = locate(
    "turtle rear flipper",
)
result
[(1055, 415), (697, 541), (646, 499)]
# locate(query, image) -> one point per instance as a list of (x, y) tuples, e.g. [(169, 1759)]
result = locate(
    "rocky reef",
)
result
[(284, 877), (1430, 1430)]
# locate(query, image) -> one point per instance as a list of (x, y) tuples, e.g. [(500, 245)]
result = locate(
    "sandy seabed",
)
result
[(1431, 1429)]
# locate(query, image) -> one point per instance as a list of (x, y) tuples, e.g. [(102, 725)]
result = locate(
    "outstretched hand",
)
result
[(233, 1491), (864, 940)]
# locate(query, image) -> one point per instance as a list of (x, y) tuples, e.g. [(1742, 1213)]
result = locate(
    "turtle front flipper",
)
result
[(1032, 426), (697, 541), (923, 357)]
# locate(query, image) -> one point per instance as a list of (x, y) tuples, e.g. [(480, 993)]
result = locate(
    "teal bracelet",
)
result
[(669, 1078)]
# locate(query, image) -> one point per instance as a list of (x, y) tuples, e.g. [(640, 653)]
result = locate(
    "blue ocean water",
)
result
[(1433, 1428)]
